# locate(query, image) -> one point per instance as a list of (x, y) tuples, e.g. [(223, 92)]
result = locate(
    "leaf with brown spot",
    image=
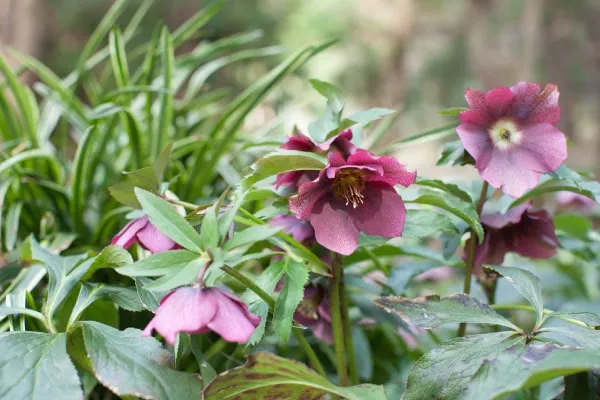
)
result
[(266, 376)]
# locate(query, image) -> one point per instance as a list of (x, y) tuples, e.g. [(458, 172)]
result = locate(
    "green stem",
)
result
[(348, 333), (471, 254), (335, 295), (312, 356)]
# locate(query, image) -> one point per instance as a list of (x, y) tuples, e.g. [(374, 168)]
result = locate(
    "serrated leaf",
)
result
[(36, 366), (296, 276), (283, 161), (126, 298), (590, 320), (250, 235), (572, 336), (526, 283), (455, 206), (137, 366), (166, 219), (422, 223), (167, 262), (110, 257), (209, 231), (433, 311), (267, 375)]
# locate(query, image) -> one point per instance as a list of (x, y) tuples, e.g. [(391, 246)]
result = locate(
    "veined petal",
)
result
[(230, 321), (499, 101), (334, 229), (504, 172), (154, 240), (309, 194), (544, 148), (476, 140), (127, 236), (382, 212)]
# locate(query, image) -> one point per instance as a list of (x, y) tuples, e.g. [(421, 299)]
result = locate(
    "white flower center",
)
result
[(505, 134)]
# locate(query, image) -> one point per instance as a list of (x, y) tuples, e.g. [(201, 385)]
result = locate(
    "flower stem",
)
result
[(312, 356), (335, 302), (348, 334), (471, 254)]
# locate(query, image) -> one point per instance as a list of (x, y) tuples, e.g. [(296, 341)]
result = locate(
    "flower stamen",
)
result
[(349, 185)]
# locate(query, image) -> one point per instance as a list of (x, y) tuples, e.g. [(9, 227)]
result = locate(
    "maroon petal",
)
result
[(335, 159), (382, 212), (506, 173), (476, 140), (231, 321), (322, 330), (299, 142), (499, 101), (533, 106), (334, 229), (127, 236), (491, 251), (342, 142), (392, 172), (309, 194), (477, 112), (513, 216), (299, 229), (534, 237), (544, 148), (152, 239)]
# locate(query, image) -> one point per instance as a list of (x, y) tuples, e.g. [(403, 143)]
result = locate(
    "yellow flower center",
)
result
[(349, 186), (505, 134)]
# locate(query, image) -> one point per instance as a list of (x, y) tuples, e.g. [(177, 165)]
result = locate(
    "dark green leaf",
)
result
[(126, 298), (251, 235), (283, 161), (267, 375), (588, 319), (185, 276), (433, 311), (209, 232), (573, 224), (296, 276), (422, 223)]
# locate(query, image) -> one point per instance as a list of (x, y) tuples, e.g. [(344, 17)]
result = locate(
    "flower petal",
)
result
[(254, 319), (382, 212), (544, 148), (342, 142), (299, 229), (476, 140), (322, 330), (230, 321), (478, 112), (388, 169), (513, 216), (534, 237), (154, 240), (127, 236), (299, 142), (333, 227), (533, 107), (506, 173), (499, 101), (309, 194)]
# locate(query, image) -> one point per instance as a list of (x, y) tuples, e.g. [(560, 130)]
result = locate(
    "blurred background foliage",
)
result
[(416, 56)]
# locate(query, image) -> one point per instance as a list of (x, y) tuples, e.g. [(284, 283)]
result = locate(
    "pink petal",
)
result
[(524, 101), (478, 112), (127, 236), (333, 227), (476, 140), (536, 107), (299, 229), (382, 213), (392, 172), (154, 240), (322, 330), (230, 321), (254, 319), (335, 159), (499, 101), (299, 142), (309, 194), (513, 216), (506, 173), (544, 148), (341, 141)]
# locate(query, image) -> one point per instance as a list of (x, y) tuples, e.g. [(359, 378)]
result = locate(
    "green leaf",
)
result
[(118, 58), (433, 311), (36, 366), (251, 235), (137, 366), (4, 311), (81, 179), (110, 257), (401, 276), (167, 262), (573, 224), (453, 153), (363, 118), (165, 113), (453, 205), (571, 336), (588, 189), (267, 375), (333, 94), (296, 276), (186, 276), (149, 299), (526, 283), (445, 187), (283, 161), (588, 319), (166, 219), (445, 372), (209, 231), (423, 223), (452, 111)]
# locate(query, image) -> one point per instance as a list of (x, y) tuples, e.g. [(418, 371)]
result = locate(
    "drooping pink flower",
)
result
[(300, 142), (352, 195), (511, 134), (143, 232), (529, 234), (575, 202), (300, 230), (200, 310), (314, 312)]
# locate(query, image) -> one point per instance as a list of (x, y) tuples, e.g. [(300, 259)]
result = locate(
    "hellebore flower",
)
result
[(529, 234), (511, 134), (300, 142), (314, 312), (352, 195), (199, 310), (576, 202), (142, 231), (300, 230)]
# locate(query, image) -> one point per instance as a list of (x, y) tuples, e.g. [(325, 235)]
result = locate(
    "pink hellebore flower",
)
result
[(352, 195), (300, 230), (199, 310), (529, 234), (300, 142), (576, 202), (314, 312), (511, 134), (142, 231)]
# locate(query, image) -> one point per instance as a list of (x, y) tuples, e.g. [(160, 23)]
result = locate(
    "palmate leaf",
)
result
[(268, 376)]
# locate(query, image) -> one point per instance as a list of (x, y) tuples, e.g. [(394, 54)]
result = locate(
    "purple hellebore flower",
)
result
[(199, 310), (142, 231), (576, 202), (300, 142), (529, 234), (511, 134), (300, 230), (352, 195), (314, 312)]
